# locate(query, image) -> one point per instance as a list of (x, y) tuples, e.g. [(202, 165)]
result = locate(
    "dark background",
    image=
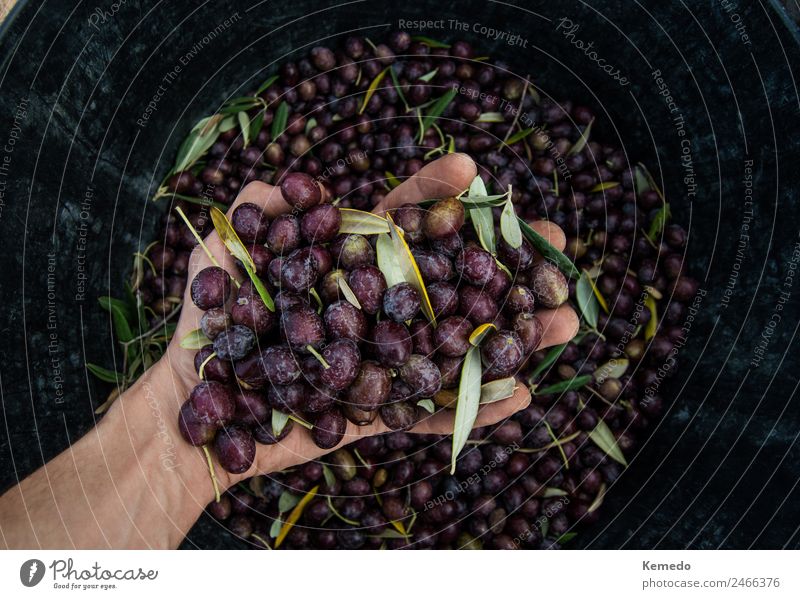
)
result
[(721, 468)]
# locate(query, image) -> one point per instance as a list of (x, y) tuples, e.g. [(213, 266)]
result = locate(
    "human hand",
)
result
[(445, 177)]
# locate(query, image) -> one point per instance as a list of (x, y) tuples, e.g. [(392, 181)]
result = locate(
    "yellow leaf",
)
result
[(230, 238), (603, 186), (400, 527), (362, 223), (195, 339), (479, 333), (652, 324), (372, 87), (295, 516), (405, 259), (392, 180), (348, 293)]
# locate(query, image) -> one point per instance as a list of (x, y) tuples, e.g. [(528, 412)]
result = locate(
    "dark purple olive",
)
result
[(444, 299), (401, 302), (549, 285), (250, 223), (422, 376), (321, 224), (194, 430), (530, 331), (214, 321), (301, 191), (283, 236), (329, 429), (278, 365), (476, 305), (211, 288), (264, 434), (235, 449), (451, 337), (302, 327), (344, 321), (214, 369), (251, 312), (251, 408), (343, 359), (392, 343), (213, 403), (234, 343), (503, 353), (371, 388), (400, 415), (475, 265), (443, 219), (368, 285), (299, 271), (433, 266), (351, 251), (519, 299), (287, 398)]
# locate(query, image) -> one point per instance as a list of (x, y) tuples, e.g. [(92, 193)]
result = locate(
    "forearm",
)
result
[(129, 483)]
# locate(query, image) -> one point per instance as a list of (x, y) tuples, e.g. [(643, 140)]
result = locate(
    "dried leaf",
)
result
[(469, 397), (603, 186), (598, 501), (295, 516), (652, 325), (605, 440), (391, 180), (362, 223), (372, 88), (498, 390), (348, 293), (480, 333)]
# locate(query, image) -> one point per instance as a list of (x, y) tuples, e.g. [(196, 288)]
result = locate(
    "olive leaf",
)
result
[(330, 478), (480, 201), (428, 76), (602, 436), (549, 358), (613, 369), (509, 224), (235, 246), (372, 88), (554, 492), (556, 443), (481, 217), (295, 516), (287, 501), (275, 529), (398, 87), (518, 136), (256, 124), (435, 112), (498, 390), (411, 273), (199, 239), (660, 219), (469, 397), (566, 538), (336, 513), (392, 180), (120, 316), (480, 333), (228, 123), (362, 223), (348, 293), (264, 86), (105, 375), (652, 325), (279, 121), (279, 421), (541, 245), (603, 186), (491, 117), (477, 188), (582, 140), (598, 501), (387, 261), (599, 296), (641, 183), (431, 43), (199, 201), (244, 125), (587, 301), (195, 339), (427, 404), (195, 145), (564, 386)]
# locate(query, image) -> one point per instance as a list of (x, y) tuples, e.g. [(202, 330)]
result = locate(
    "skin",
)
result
[(132, 482)]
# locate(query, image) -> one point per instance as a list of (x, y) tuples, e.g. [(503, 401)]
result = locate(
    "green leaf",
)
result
[(541, 245), (427, 404), (659, 221), (195, 339), (108, 376), (398, 87), (641, 183), (498, 390), (264, 86), (275, 529), (613, 369), (387, 260), (120, 315), (279, 121), (244, 125), (582, 140), (566, 538), (330, 478), (554, 492), (469, 397), (564, 386), (362, 223), (651, 327), (256, 124), (108, 303), (547, 361), (509, 225), (483, 223), (428, 76), (477, 188), (392, 180), (295, 516), (605, 440), (228, 123), (587, 302), (432, 43), (410, 270), (279, 420), (197, 143), (287, 501), (436, 111), (491, 117), (519, 136)]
